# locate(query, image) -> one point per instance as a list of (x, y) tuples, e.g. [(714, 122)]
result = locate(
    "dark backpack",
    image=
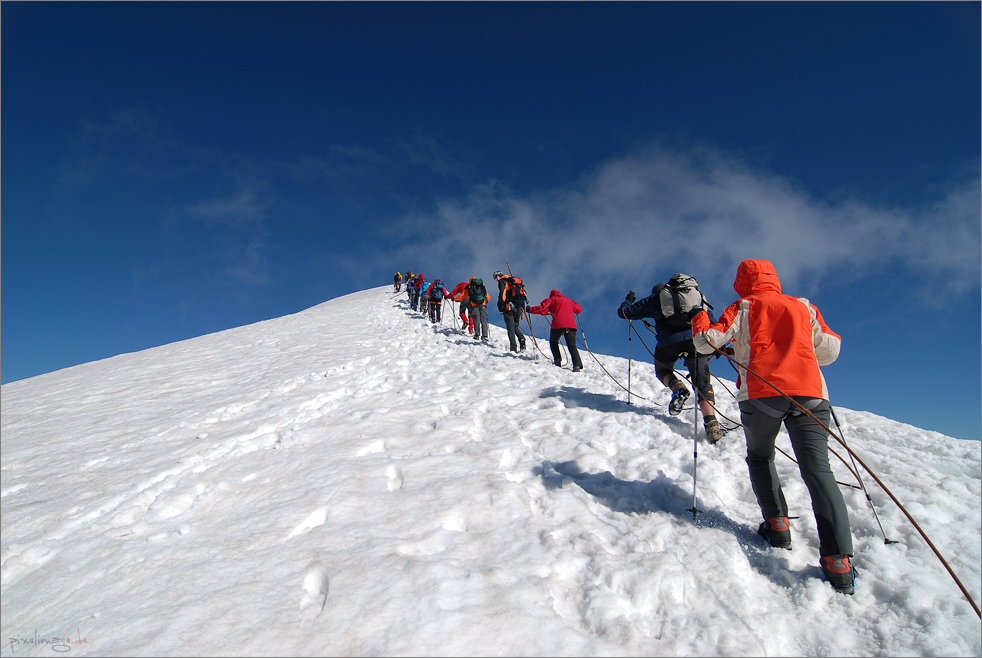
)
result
[(679, 298), (515, 292), (476, 292), (438, 290)]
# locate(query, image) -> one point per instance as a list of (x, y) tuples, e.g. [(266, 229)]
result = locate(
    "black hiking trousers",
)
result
[(762, 419), (557, 356), (698, 365), (436, 311)]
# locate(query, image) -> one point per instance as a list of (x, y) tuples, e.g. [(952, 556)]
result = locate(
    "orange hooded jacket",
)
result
[(779, 337)]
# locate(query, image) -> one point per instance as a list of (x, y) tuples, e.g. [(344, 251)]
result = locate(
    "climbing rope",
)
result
[(535, 343), (856, 458), (740, 368), (734, 423), (565, 360), (883, 486), (590, 352)]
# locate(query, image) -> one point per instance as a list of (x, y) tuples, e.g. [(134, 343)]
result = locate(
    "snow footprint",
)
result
[(372, 448), (395, 476), (316, 585), (316, 518)]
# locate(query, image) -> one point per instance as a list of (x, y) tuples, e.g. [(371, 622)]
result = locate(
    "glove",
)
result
[(723, 352), (700, 322), (631, 297)]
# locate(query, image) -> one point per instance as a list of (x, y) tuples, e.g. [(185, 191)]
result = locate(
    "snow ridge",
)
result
[(354, 480)]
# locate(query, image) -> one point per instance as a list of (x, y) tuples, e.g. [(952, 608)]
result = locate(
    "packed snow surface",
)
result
[(355, 480)]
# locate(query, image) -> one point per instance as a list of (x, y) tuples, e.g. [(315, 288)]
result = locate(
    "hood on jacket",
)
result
[(755, 276), (555, 293)]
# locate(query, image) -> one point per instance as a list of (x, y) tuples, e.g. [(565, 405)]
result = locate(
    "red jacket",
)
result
[(429, 291), (563, 310), (779, 337), (461, 290)]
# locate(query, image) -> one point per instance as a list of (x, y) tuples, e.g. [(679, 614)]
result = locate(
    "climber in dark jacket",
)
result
[(674, 341)]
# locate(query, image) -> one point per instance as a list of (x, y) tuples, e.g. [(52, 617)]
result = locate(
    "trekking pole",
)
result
[(535, 344), (606, 372), (583, 331), (861, 483), (695, 450), (629, 337), (528, 321)]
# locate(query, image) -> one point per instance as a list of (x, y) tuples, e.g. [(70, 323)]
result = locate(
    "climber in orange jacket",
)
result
[(784, 340)]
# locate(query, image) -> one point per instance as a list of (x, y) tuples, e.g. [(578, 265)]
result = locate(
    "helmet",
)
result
[(497, 273)]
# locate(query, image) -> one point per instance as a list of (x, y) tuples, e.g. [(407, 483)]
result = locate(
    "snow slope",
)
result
[(354, 480)]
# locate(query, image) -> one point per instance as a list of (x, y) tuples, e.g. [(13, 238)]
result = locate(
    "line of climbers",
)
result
[(428, 300), (512, 303), (779, 343)]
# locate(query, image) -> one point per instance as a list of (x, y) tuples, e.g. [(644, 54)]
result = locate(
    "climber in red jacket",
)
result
[(563, 311)]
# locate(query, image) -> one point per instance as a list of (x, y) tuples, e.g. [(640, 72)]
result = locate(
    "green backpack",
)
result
[(477, 293)]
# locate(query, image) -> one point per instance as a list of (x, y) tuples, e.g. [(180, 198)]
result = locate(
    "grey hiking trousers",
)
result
[(515, 333), (479, 314), (762, 419)]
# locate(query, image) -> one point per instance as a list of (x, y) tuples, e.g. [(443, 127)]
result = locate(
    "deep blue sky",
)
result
[(175, 169)]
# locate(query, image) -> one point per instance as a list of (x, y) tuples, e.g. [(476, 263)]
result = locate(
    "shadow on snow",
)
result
[(664, 495), (607, 403)]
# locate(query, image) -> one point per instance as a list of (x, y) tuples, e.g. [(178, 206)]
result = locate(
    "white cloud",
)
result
[(648, 215), (241, 209), (249, 262), (425, 150), (240, 231)]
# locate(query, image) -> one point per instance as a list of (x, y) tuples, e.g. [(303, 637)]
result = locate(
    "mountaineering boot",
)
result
[(521, 347), (679, 395), (840, 573), (777, 532), (713, 430), (577, 368)]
